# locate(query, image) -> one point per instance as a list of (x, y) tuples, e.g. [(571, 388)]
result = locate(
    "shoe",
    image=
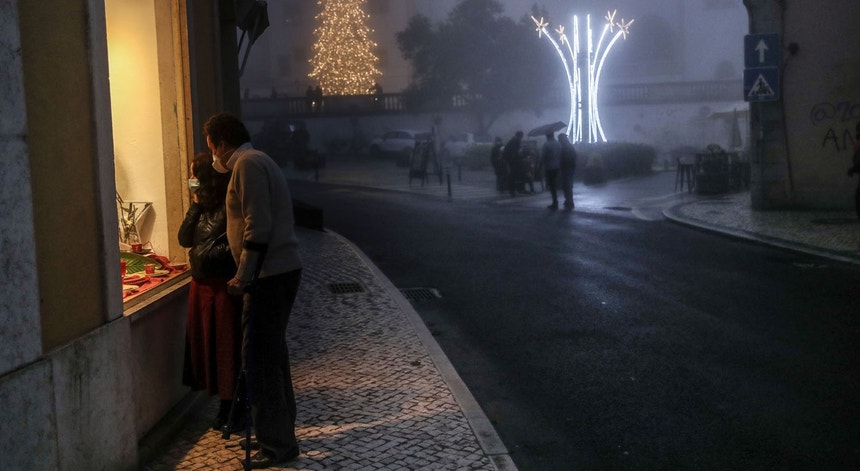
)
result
[(552, 206), (265, 459), (218, 423), (223, 414), (236, 426), (243, 444)]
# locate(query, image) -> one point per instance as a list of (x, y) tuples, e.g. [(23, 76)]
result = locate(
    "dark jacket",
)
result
[(512, 156), (496, 160), (568, 156), (205, 232)]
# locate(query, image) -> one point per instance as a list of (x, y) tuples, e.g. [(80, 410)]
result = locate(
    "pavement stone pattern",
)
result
[(369, 395), (829, 233)]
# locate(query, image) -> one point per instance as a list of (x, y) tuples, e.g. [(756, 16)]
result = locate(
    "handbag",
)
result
[(216, 259)]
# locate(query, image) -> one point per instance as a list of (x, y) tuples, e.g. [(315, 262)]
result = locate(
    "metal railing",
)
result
[(621, 94)]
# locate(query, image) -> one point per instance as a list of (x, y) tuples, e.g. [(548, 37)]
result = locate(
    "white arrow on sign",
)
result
[(761, 48)]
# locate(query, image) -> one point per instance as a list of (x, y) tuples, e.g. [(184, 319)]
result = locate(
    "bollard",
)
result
[(448, 174)]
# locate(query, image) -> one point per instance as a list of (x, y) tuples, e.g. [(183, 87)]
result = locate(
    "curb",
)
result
[(485, 433), (673, 214)]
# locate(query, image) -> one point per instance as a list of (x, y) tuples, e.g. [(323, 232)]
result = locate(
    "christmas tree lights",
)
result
[(344, 62)]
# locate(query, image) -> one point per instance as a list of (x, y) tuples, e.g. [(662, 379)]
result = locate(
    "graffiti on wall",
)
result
[(837, 120)]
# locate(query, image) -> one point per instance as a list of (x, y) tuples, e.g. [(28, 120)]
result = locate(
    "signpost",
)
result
[(762, 57)]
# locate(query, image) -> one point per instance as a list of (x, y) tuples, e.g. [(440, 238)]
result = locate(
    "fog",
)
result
[(675, 42)]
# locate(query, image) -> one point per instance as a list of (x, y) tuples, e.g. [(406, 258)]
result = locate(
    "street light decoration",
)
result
[(344, 62), (571, 56)]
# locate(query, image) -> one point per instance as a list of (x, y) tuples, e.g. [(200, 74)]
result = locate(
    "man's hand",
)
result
[(236, 286)]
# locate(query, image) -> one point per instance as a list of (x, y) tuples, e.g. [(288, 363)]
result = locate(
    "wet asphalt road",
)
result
[(595, 341)]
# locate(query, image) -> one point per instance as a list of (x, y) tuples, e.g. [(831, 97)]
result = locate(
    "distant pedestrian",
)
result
[(567, 170), (310, 99), (499, 165), (550, 158), (376, 90), (855, 168), (318, 98), (513, 158)]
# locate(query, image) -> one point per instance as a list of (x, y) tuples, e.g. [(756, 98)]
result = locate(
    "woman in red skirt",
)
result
[(214, 335)]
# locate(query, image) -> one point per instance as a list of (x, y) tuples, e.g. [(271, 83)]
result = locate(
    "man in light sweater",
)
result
[(261, 233)]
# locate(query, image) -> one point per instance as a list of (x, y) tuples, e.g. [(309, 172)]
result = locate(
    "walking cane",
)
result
[(242, 379)]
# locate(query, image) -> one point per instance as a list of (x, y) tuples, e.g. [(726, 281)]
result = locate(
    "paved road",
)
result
[(598, 341)]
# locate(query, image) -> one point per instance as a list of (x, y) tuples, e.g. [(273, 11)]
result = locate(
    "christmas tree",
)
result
[(343, 59)]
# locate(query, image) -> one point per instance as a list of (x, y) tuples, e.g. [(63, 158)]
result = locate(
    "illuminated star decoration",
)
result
[(541, 26), (610, 18), (561, 36), (596, 57), (624, 27)]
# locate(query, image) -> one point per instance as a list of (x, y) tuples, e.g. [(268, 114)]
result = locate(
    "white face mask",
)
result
[(193, 184), (216, 164)]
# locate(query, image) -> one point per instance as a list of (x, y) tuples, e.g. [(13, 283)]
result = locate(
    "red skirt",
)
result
[(213, 340)]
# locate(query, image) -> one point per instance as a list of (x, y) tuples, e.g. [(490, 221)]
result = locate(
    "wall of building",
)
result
[(821, 87), (801, 143), (66, 382), (19, 289)]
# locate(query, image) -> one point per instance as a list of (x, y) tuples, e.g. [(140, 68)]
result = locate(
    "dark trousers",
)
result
[(567, 186), (514, 179), (552, 184), (266, 359), (857, 200)]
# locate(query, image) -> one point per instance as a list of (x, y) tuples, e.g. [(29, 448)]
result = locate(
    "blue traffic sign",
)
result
[(761, 84), (762, 50)]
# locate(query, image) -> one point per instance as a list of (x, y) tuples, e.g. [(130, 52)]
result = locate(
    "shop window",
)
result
[(147, 84)]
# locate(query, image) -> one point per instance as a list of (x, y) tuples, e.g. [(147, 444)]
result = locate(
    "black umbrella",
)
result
[(547, 128)]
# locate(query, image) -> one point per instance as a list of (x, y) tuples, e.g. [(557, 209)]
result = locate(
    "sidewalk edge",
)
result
[(483, 429), (673, 214)]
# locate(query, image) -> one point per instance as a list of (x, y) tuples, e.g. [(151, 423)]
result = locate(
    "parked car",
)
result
[(398, 142)]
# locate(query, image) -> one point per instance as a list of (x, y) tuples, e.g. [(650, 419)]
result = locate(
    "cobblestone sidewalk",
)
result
[(832, 234), (373, 391)]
